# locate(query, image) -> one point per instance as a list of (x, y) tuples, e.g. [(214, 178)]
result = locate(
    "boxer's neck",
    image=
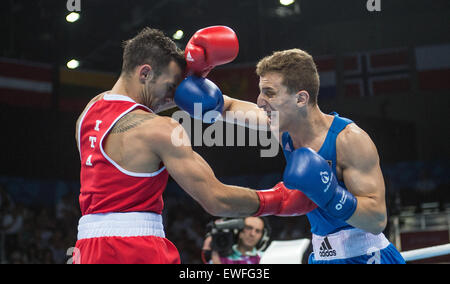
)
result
[(124, 86), (310, 128)]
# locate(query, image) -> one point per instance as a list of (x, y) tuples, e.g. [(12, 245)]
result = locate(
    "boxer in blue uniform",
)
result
[(334, 240), (329, 158)]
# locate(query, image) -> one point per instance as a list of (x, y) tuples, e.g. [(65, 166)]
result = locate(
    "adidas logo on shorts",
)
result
[(326, 250)]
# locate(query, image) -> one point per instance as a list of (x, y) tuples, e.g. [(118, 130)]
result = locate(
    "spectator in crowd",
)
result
[(247, 249)]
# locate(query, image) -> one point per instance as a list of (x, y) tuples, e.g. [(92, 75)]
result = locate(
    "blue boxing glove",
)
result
[(201, 98), (309, 172)]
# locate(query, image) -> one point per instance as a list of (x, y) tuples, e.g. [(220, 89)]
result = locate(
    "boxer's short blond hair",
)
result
[(297, 68)]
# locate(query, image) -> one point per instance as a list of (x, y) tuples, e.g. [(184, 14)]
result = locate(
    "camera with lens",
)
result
[(223, 233)]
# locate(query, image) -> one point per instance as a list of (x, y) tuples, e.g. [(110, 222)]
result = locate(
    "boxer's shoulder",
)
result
[(354, 146), (163, 131), (93, 100), (350, 134), (160, 125), (136, 120), (89, 104)]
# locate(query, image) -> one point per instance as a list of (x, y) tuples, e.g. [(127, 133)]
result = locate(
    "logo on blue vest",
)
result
[(287, 147)]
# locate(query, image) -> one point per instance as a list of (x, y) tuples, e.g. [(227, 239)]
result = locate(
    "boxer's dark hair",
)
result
[(151, 46), (297, 68)]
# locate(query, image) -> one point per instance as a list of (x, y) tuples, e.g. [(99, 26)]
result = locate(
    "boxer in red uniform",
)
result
[(127, 154)]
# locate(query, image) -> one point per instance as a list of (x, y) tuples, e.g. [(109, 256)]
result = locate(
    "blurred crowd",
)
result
[(37, 234)]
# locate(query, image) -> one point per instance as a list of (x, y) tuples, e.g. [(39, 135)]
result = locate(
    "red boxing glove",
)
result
[(210, 47), (281, 201)]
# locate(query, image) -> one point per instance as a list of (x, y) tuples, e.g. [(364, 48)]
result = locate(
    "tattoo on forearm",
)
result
[(130, 121)]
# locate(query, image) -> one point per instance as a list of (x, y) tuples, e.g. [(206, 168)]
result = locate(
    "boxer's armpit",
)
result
[(130, 121)]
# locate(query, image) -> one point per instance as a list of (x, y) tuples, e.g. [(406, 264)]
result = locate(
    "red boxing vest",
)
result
[(105, 186)]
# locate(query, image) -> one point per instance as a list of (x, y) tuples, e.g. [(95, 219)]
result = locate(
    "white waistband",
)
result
[(130, 224), (346, 244)]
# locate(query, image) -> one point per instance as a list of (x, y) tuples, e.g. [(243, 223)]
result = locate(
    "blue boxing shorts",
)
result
[(354, 246)]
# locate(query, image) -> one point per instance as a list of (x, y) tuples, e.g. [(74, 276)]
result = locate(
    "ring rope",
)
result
[(426, 252)]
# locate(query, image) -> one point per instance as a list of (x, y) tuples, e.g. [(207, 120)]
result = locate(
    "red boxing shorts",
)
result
[(123, 238)]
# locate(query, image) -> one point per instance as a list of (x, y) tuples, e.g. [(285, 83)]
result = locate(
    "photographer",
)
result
[(236, 241)]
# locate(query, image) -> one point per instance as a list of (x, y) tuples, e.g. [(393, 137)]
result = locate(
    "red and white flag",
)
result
[(433, 67), (25, 84)]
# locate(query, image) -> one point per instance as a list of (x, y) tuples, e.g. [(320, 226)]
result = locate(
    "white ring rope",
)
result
[(426, 252)]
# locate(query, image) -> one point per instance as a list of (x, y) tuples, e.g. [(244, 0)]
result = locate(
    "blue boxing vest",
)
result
[(321, 222)]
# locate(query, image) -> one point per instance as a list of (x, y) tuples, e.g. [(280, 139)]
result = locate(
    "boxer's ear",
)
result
[(145, 73), (302, 98)]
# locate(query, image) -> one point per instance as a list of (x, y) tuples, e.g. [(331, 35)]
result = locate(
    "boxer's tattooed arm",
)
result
[(130, 121)]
